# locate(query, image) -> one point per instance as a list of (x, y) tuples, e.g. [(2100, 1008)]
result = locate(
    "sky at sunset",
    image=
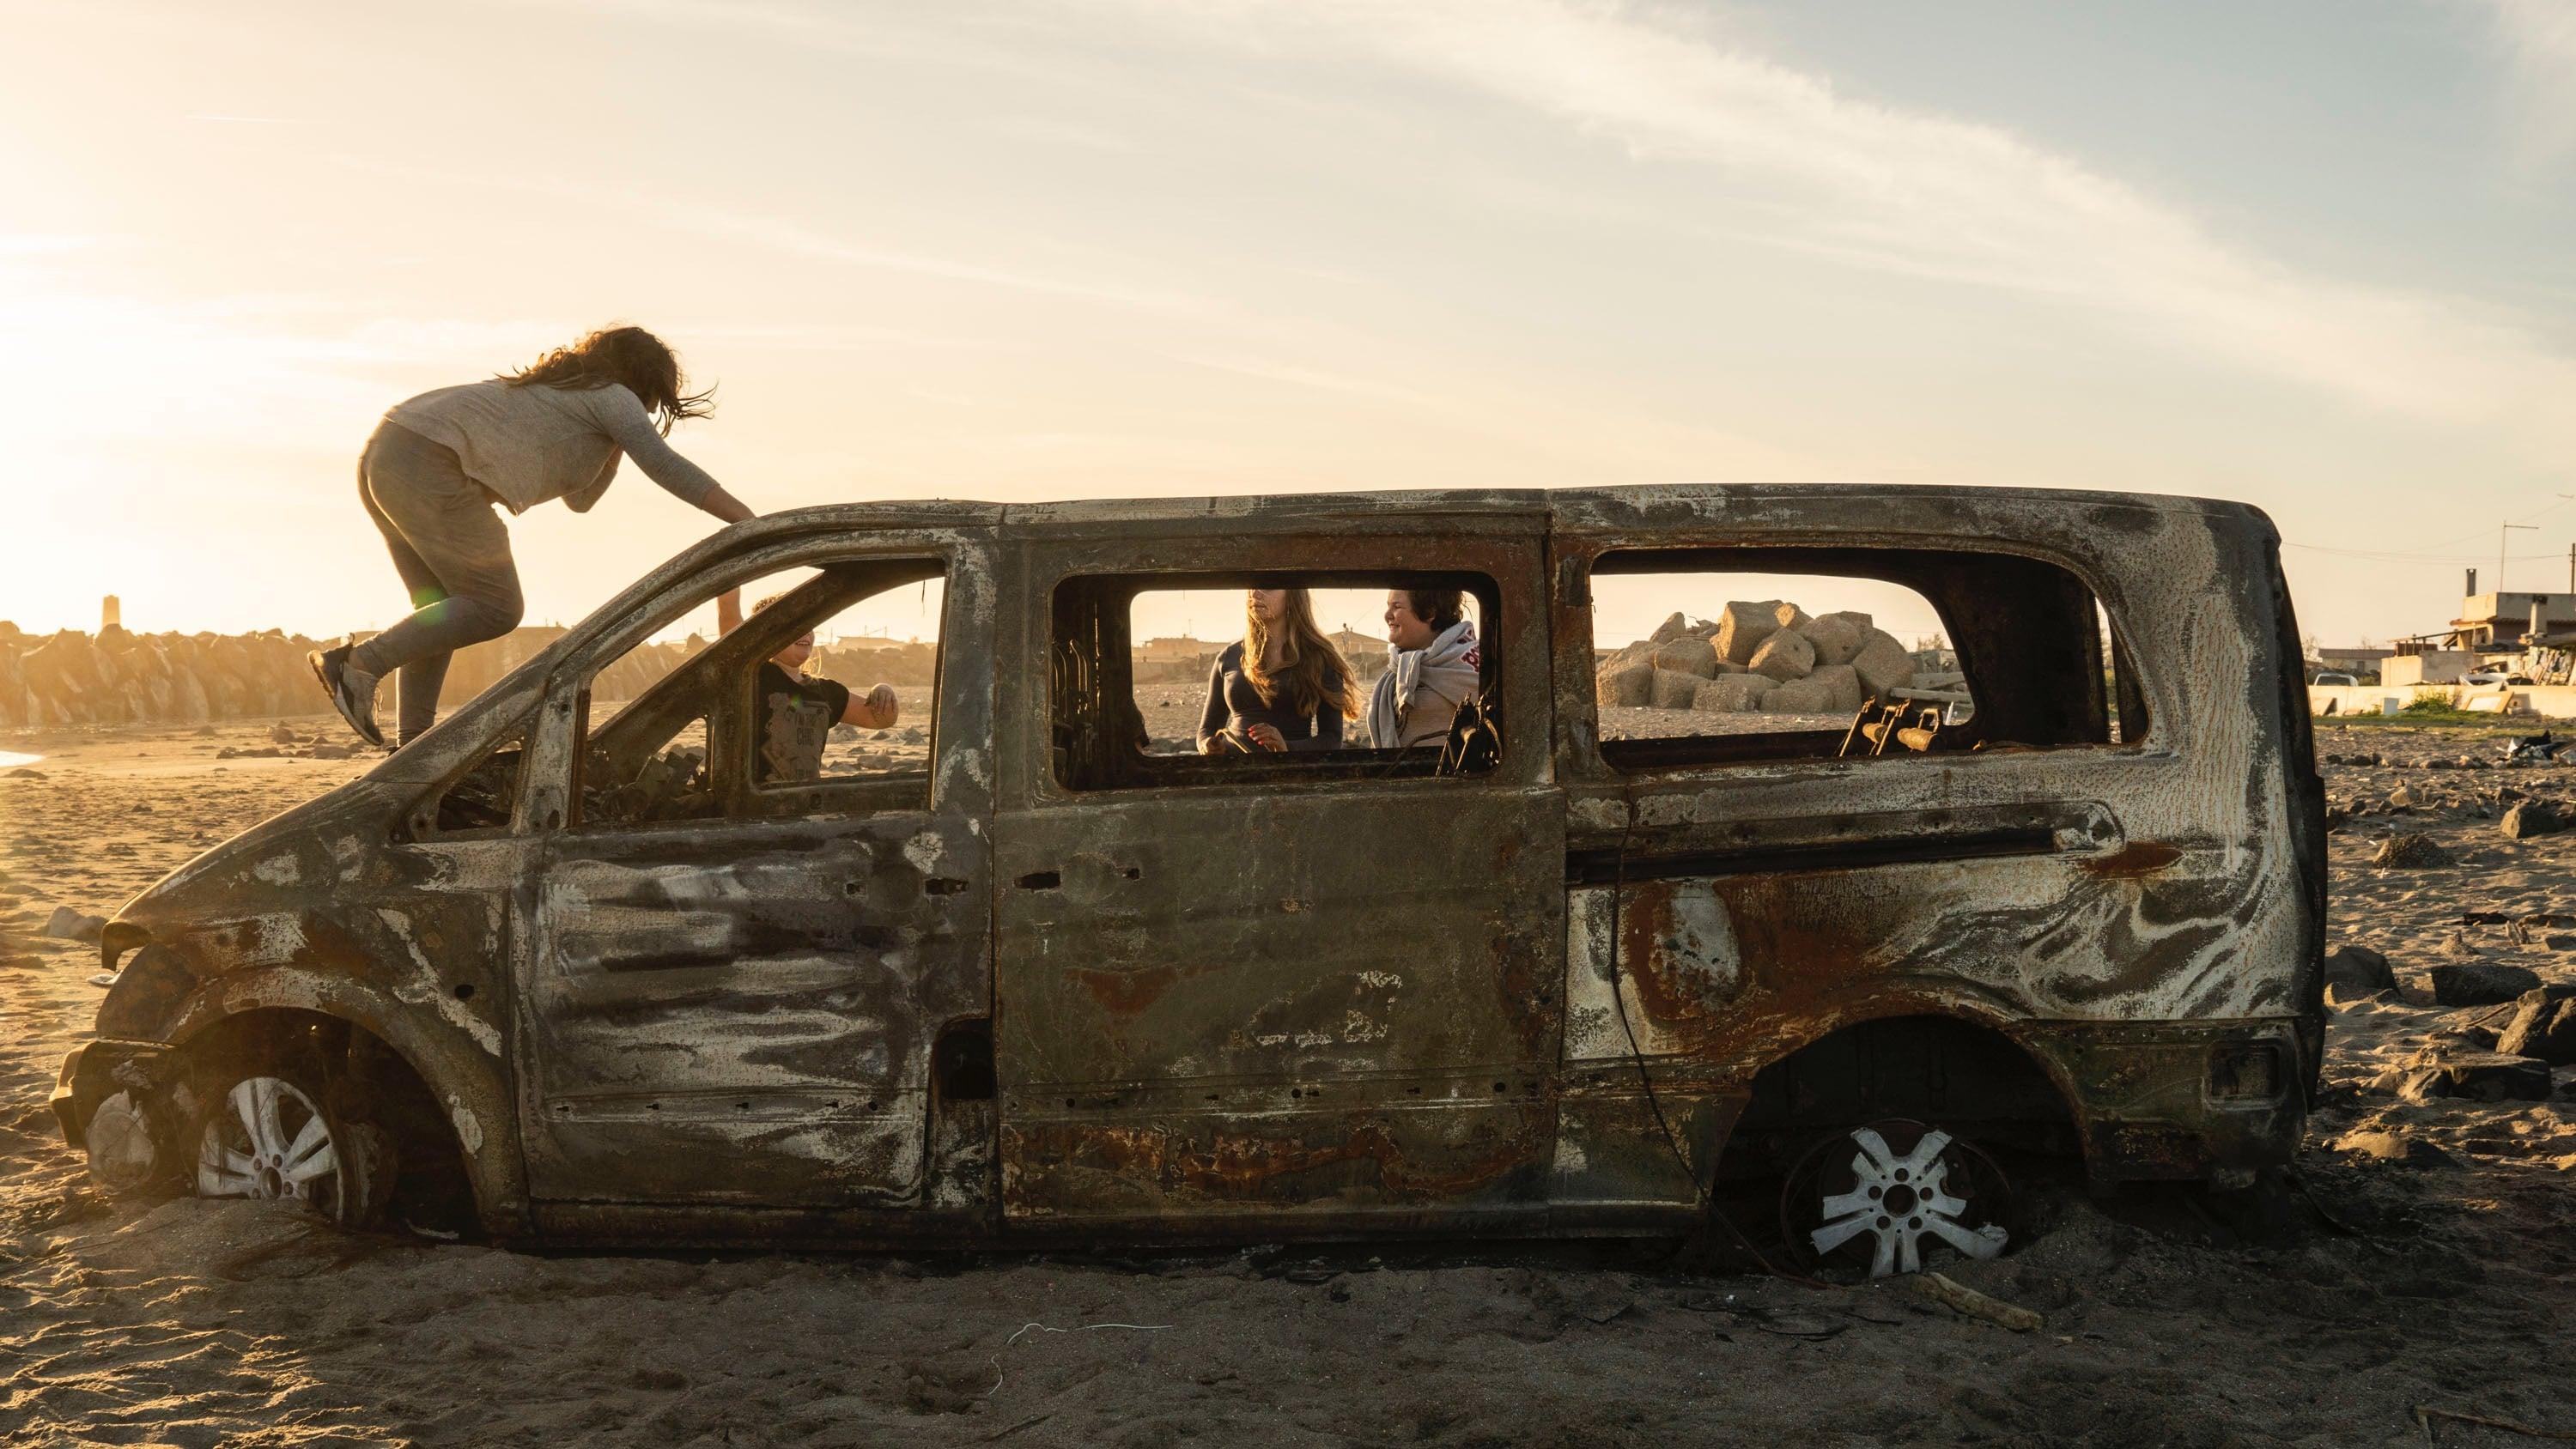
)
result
[(2319, 255)]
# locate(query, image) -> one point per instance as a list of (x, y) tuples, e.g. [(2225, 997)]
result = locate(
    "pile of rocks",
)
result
[(120, 677), (1769, 657)]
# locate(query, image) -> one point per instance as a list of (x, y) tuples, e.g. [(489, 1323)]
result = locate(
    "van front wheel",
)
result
[(267, 1135)]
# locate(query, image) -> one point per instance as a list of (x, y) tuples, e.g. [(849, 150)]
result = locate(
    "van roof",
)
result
[(1632, 504)]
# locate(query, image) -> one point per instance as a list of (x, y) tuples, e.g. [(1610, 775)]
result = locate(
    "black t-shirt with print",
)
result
[(797, 717)]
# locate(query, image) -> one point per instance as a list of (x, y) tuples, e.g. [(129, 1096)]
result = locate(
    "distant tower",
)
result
[(111, 615)]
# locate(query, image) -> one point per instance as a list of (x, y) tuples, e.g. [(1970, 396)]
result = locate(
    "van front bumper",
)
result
[(97, 1070)]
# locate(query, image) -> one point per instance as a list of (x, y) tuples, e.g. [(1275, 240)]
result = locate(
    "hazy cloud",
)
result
[(795, 238), (2539, 41), (1923, 194)]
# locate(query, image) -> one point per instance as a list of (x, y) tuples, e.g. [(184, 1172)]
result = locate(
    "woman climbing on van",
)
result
[(438, 464), (1282, 686)]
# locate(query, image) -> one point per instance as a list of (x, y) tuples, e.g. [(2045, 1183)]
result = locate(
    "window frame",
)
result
[(419, 822), (731, 740), (2122, 697), (1113, 592)]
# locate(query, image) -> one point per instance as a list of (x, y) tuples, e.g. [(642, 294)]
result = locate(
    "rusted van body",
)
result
[(1053, 986)]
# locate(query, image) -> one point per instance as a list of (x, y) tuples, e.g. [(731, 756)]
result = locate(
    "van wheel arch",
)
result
[(1883, 1093), (368, 1081), (1947, 1068)]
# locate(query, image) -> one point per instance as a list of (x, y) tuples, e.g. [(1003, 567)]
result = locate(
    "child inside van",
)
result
[(800, 711)]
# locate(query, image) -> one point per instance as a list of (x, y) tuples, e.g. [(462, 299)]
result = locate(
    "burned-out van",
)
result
[(1923, 824)]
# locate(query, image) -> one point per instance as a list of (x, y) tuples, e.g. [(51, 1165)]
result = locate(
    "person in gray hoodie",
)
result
[(1434, 665), (440, 466)]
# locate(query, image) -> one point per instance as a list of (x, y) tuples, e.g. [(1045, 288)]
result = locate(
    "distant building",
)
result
[(2497, 628), (2426, 666), (1364, 653), (1180, 650), (1355, 644), (2507, 621), (2354, 661)]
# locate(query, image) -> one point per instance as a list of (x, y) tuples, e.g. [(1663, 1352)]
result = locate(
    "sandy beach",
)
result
[(2425, 1255)]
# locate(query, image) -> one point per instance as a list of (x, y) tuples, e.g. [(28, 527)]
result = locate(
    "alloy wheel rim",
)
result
[(269, 1141), (1895, 1201)]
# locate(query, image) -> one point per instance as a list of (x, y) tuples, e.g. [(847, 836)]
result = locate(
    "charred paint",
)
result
[(1248, 1003), (1276, 1163)]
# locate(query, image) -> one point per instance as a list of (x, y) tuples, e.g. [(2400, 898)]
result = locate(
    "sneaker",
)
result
[(352, 691)]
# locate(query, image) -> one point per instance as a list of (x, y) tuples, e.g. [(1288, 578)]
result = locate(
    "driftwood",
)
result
[(1944, 1289)]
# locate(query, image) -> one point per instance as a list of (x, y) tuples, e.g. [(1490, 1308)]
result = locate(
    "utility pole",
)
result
[(2571, 553), (2502, 532)]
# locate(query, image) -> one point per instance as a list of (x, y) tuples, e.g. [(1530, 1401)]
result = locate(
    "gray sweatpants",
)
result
[(453, 553)]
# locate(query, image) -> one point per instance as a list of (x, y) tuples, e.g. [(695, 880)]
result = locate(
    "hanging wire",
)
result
[(2424, 558), (2431, 552)]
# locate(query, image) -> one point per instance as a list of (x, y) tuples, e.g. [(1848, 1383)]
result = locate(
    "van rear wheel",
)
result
[(266, 1133), (1876, 1197)]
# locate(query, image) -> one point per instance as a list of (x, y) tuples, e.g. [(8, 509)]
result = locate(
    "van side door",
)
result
[(1257, 992)]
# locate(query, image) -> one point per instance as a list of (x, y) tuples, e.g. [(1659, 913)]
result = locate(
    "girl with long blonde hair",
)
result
[(1282, 686)]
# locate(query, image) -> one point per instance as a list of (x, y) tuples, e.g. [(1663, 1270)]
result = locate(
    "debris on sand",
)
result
[(2386, 1146), (2359, 970), (2535, 817), (1941, 1288), (2478, 1076), (2480, 983), (66, 924), (2543, 1026), (2406, 851)]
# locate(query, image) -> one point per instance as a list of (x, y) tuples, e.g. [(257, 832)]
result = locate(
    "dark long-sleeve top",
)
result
[(1234, 702)]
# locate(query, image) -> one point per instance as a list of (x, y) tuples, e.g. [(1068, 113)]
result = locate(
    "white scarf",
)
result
[(1422, 688)]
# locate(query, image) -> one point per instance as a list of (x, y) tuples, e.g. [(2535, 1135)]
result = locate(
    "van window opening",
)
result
[(1716, 655), (755, 723), (1144, 667)]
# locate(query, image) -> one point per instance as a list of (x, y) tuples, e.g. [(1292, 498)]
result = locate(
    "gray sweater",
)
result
[(531, 444)]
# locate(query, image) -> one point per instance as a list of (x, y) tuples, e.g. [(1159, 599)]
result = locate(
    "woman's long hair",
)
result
[(632, 356), (1312, 676)]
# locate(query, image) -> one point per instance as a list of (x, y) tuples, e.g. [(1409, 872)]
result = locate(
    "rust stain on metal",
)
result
[(2137, 858), (1129, 991)]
